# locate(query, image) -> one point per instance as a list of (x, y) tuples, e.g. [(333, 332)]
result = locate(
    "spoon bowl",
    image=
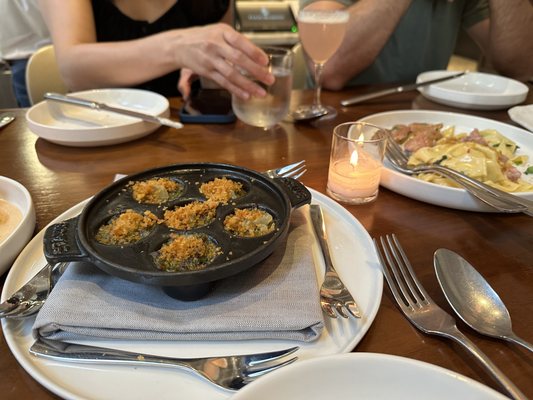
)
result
[(472, 298), (307, 113)]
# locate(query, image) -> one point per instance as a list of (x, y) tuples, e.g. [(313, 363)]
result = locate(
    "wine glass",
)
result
[(265, 112), (321, 25)]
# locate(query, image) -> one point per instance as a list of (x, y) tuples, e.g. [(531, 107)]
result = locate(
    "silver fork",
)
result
[(334, 296), (422, 311), (295, 171), (29, 299), (500, 200), (229, 372)]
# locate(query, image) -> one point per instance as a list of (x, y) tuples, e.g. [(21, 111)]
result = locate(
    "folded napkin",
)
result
[(275, 300)]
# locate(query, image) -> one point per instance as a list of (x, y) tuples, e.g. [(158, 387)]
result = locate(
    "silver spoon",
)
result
[(473, 299), (5, 119), (307, 113)]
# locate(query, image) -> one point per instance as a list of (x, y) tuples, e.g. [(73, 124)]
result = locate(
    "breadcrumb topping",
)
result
[(186, 253), (222, 190), (129, 227), (192, 215), (249, 222), (156, 190)]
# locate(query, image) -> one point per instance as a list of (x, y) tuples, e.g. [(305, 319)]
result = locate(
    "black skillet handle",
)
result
[(60, 243), (297, 192)]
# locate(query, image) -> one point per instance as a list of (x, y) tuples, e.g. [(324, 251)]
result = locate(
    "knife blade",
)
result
[(76, 101), (398, 89)]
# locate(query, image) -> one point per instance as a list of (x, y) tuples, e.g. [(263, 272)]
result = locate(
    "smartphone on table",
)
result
[(208, 106)]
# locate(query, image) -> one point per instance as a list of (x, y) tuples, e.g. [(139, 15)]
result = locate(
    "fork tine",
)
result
[(387, 265), (341, 309), (251, 375), (407, 272), (328, 308), (257, 359), (287, 168), (353, 309), (296, 171)]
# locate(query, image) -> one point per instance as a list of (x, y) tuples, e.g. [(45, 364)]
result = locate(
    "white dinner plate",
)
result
[(76, 126), (352, 253), (443, 195), (522, 115), (366, 376), (474, 90)]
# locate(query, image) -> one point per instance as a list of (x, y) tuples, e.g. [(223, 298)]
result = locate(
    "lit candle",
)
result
[(357, 177)]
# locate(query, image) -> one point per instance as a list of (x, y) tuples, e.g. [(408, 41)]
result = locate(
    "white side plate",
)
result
[(365, 376), (474, 90), (70, 125)]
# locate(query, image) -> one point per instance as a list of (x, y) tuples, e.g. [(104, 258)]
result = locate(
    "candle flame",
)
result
[(361, 139), (354, 158)]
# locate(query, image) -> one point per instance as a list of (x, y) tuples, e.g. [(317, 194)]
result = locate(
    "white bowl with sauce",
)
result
[(17, 220)]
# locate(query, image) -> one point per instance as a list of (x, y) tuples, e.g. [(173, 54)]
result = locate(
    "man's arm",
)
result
[(371, 24), (506, 37)]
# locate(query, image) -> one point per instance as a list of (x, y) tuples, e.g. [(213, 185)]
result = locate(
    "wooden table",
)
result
[(500, 245)]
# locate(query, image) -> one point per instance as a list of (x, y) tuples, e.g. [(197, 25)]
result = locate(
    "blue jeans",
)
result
[(18, 74)]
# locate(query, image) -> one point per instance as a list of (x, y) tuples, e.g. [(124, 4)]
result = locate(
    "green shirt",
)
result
[(424, 40)]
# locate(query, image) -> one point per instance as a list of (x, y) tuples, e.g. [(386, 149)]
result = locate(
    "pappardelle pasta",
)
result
[(485, 155)]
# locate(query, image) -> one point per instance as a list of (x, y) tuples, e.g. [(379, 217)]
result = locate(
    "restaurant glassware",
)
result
[(473, 299), (229, 372), (421, 310), (334, 296), (355, 164), (265, 112), (500, 200), (321, 25)]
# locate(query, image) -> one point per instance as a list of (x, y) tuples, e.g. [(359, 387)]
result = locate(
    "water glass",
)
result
[(266, 112)]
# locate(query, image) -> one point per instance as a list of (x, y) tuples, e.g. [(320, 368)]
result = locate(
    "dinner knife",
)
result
[(399, 89), (76, 101)]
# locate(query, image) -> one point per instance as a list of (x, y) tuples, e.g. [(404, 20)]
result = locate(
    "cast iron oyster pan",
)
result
[(74, 239)]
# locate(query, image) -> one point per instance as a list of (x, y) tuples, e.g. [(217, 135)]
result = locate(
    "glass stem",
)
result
[(318, 83)]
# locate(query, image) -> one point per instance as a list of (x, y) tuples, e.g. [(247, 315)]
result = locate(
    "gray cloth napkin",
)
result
[(275, 300)]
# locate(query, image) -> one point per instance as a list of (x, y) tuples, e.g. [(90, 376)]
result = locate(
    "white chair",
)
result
[(42, 75)]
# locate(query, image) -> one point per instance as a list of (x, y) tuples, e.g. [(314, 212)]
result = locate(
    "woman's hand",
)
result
[(187, 77), (219, 53)]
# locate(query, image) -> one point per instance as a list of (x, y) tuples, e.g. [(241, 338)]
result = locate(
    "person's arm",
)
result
[(506, 37), (212, 51), (371, 24)]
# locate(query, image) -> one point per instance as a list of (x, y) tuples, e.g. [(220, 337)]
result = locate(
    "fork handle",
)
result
[(480, 190), (84, 353), (485, 361)]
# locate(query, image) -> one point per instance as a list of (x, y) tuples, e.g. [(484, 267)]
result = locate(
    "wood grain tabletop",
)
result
[(500, 245)]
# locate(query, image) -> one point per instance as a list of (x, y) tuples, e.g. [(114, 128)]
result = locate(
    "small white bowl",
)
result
[(474, 90), (75, 126), (11, 246)]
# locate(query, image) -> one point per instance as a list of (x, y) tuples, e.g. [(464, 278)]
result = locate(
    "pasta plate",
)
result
[(431, 193)]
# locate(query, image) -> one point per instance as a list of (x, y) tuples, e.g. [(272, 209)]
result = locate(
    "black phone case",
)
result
[(208, 106)]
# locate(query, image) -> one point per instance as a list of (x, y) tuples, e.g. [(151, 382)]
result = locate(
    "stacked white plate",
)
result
[(474, 90), (76, 126)]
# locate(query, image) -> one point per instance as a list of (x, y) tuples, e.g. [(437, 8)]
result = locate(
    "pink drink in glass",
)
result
[(321, 32)]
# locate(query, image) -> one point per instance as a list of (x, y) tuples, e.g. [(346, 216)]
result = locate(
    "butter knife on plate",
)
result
[(398, 89), (76, 101)]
